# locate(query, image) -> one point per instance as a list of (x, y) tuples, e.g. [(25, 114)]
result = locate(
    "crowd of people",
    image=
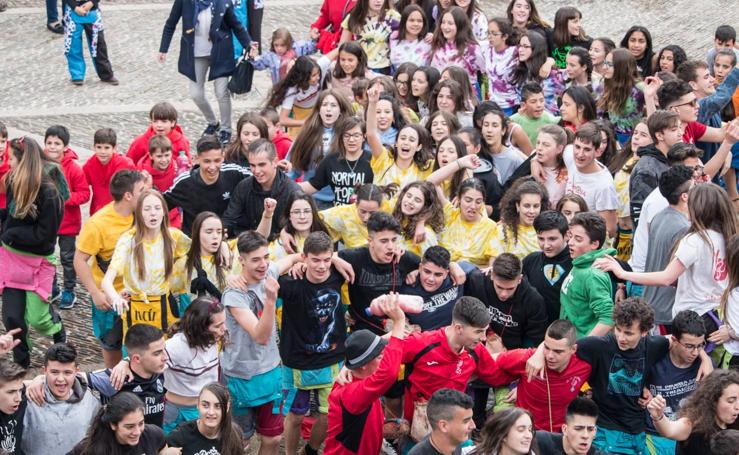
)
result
[(442, 234)]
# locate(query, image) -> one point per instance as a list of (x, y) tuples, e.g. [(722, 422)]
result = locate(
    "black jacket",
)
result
[(224, 24), (247, 204), (645, 178), (521, 320), (35, 235)]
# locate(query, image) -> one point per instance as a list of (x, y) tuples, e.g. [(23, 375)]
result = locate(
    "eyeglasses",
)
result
[(525, 46), (607, 64), (357, 136), (692, 347), (692, 103), (304, 212), (402, 83)]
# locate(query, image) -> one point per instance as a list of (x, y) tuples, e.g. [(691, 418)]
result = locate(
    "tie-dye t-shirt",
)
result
[(525, 245), (467, 241), (375, 36)]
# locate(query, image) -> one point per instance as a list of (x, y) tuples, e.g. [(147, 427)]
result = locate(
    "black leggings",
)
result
[(14, 316), (254, 19)]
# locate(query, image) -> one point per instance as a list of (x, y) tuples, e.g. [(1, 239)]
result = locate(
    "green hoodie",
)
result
[(585, 297)]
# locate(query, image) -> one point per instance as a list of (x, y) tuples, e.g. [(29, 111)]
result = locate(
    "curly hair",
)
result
[(509, 215), (432, 212), (631, 310), (700, 406)]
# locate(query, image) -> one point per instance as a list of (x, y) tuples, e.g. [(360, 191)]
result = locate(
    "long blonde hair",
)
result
[(140, 231), (26, 178)]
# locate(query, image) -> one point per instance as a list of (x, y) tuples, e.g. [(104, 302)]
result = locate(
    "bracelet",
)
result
[(660, 418)]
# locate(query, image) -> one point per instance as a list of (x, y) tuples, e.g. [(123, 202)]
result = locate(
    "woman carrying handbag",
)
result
[(206, 47)]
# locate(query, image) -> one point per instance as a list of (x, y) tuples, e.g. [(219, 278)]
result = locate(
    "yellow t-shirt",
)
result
[(466, 241), (180, 281), (154, 282), (621, 181), (99, 236), (277, 251), (419, 248), (526, 244), (344, 225), (386, 171)]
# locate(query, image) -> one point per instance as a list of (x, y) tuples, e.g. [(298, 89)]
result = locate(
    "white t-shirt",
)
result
[(597, 188), (700, 287), (306, 99), (653, 204), (732, 316)]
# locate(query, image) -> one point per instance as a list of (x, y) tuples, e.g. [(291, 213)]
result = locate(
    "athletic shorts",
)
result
[(657, 445), (614, 441), (107, 327), (298, 386), (261, 419)]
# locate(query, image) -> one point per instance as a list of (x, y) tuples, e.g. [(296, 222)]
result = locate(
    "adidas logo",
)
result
[(137, 389)]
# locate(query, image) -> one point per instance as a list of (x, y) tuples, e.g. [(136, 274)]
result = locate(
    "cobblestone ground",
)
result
[(36, 92)]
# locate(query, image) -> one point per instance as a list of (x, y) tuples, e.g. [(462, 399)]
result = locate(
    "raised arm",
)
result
[(664, 278), (373, 139), (259, 329)]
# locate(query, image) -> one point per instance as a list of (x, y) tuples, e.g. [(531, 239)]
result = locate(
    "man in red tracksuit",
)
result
[(450, 356), (547, 398), (355, 416)]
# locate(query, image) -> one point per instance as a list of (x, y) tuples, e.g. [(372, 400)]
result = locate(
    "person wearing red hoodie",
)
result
[(163, 118), (56, 149), (163, 170), (4, 167), (100, 168), (327, 27), (276, 134)]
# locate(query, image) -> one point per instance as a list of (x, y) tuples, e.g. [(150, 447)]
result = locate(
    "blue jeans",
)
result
[(52, 12)]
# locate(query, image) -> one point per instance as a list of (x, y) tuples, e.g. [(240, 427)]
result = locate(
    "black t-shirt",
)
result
[(426, 448), (618, 378), (547, 275), (437, 305), (188, 437), (193, 195), (342, 175), (11, 428), (372, 280), (150, 443), (151, 392), (313, 324), (551, 444)]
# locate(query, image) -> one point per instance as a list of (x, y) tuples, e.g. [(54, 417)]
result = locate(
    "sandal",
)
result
[(55, 27)]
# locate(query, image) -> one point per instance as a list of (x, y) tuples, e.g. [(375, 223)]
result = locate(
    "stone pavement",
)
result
[(35, 91)]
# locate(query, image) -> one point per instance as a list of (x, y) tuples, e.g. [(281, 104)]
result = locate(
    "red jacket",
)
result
[(162, 181), (140, 146), (440, 367), (540, 396), (282, 143), (4, 168), (79, 193), (99, 175), (355, 416)]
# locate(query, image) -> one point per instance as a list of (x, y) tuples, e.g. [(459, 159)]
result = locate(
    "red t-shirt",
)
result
[(558, 388), (441, 367), (355, 416), (694, 131)]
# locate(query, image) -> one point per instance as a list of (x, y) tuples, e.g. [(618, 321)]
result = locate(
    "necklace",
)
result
[(351, 168)]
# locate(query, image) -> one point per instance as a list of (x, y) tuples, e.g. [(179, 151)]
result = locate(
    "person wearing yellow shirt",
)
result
[(450, 149), (419, 211), (145, 257), (348, 223), (469, 235), (411, 158), (519, 208), (95, 246)]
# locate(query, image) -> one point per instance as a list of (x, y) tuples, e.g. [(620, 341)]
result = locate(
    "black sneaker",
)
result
[(56, 27), (211, 130), (60, 336), (224, 137)]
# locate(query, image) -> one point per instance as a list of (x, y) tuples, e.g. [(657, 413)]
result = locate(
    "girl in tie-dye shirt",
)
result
[(407, 44), (453, 44), (370, 23), (501, 59)]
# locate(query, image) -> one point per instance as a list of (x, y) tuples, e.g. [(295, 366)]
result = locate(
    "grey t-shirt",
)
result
[(665, 230), (242, 357)]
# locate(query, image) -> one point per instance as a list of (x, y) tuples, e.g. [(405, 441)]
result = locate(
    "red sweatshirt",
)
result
[(355, 416), (99, 175), (563, 387), (282, 143), (140, 146), (162, 181), (441, 367), (79, 193), (4, 168)]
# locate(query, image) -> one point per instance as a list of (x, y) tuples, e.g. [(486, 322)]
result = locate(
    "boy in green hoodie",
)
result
[(585, 296)]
